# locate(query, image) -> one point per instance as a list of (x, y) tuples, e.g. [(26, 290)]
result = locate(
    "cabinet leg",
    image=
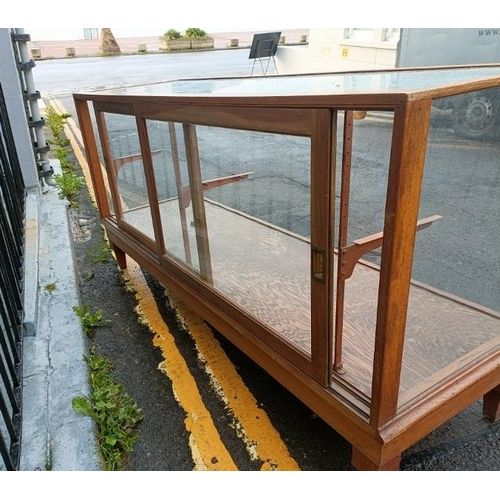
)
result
[(362, 462), (120, 255), (491, 404)]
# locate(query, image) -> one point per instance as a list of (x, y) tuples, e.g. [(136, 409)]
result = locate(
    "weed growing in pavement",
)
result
[(68, 183), (88, 276), (62, 156), (114, 412), (88, 320), (99, 253), (50, 287), (55, 122)]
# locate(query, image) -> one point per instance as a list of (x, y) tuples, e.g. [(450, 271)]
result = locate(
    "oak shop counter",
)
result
[(354, 260)]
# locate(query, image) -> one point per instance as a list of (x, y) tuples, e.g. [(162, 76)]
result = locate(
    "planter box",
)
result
[(179, 44), (186, 44), (202, 43)]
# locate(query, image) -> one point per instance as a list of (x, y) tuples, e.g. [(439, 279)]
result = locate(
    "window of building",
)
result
[(361, 33)]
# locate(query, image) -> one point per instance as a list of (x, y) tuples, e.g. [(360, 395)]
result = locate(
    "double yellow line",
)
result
[(251, 423)]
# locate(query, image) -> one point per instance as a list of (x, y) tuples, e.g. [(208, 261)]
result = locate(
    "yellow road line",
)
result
[(251, 422), (198, 422), (262, 439)]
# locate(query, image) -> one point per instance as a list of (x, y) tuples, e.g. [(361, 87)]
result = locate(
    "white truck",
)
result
[(475, 115)]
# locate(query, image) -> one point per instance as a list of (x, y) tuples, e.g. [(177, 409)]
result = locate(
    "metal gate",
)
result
[(12, 216)]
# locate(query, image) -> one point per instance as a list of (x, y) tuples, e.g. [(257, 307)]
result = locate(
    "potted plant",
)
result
[(173, 40), (199, 38)]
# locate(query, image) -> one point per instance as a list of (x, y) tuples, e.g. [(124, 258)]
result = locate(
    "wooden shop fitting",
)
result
[(368, 364)]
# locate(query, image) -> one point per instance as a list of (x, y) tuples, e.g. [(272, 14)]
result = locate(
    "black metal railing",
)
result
[(12, 216)]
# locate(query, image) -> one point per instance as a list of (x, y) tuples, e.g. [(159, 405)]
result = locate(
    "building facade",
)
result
[(341, 49)]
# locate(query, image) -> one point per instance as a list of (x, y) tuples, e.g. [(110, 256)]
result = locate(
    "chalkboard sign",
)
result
[(264, 45)]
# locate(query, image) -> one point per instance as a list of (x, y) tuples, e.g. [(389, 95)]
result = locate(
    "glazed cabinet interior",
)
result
[(340, 229)]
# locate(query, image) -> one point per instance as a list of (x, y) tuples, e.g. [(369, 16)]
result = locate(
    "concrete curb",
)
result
[(54, 436), (31, 261)]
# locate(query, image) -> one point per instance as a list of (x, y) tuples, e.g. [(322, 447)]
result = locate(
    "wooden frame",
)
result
[(379, 421)]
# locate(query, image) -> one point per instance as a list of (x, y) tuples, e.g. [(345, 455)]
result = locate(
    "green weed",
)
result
[(59, 142), (55, 121), (114, 412), (50, 287), (88, 276), (69, 186), (89, 321), (62, 155), (99, 253)]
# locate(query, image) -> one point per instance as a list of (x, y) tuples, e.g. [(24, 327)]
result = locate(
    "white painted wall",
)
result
[(332, 49)]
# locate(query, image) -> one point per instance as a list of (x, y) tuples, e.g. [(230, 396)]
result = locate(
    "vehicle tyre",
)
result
[(476, 115)]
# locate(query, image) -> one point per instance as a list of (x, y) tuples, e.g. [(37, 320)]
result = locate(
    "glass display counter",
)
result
[(340, 229)]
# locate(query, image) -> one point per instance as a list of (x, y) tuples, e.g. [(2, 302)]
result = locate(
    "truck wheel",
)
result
[(476, 116)]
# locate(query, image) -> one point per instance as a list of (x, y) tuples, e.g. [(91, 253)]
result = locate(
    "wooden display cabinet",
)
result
[(356, 260)]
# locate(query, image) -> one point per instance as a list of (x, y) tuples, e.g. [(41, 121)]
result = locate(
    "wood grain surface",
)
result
[(266, 272)]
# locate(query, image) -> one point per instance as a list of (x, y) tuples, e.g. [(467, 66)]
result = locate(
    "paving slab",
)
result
[(54, 436)]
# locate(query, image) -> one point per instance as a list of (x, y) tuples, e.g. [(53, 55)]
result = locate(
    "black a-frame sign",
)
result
[(263, 49)]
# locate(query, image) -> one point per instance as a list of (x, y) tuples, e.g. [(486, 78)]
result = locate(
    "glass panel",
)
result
[(361, 186), (393, 34), (307, 85), (361, 33), (247, 225), (456, 307), (277, 190), (172, 184), (127, 165)]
